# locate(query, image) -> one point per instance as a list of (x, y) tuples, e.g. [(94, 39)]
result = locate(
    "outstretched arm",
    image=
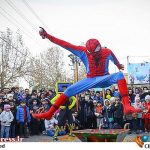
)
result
[(116, 62), (76, 50)]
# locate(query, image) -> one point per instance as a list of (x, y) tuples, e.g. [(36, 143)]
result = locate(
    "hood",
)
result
[(93, 45)]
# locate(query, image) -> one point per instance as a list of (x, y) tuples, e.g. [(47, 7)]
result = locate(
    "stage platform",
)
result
[(102, 135)]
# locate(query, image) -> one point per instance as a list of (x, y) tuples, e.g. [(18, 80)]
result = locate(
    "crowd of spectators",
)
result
[(96, 109)]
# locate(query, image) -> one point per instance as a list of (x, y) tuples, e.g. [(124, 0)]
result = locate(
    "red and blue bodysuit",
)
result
[(96, 60)]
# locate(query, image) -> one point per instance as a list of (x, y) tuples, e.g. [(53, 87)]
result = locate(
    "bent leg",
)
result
[(70, 91), (122, 86)]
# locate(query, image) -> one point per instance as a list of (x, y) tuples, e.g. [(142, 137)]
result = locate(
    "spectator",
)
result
[(14, 122), (83, 110), (91, 118), (108, 94), (6, 101), (131, 95), (24, 98), (51, 95), (35, 123), (6, 117), (99, 97), (45, 105), (23, 118), (16, 95), (98, 113), (138, 105), (107, 113), (144, 93), (28, 96), (118, 112), (50, 126), (137, 92), (92, 94)]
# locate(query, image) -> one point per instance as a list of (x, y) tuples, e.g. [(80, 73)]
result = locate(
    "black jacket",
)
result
[(118, 111)]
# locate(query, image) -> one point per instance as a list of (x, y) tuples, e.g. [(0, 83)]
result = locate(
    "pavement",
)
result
[(44, 138), (66, 138)]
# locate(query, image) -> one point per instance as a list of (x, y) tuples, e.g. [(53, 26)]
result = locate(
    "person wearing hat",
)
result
[(45, 105), (23, 118), (6, 117)]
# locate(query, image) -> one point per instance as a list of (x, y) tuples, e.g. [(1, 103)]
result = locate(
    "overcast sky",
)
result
[(121, 25)]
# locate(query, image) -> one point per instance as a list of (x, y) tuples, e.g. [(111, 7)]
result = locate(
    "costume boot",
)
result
[(47, 115), (122, 85)]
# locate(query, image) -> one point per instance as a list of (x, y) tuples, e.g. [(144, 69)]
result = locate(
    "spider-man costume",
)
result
[(96, 59)]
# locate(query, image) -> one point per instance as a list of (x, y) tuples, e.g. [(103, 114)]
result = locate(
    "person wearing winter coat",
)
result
[(23, 118), (99, 97), (98, 112), (138, 105), (107, 113), (6, 117), (35, 123), (13, 127), (118, 112)]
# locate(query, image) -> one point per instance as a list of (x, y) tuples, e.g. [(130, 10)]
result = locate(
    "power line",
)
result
[(34, 13), (14, 47), (18, 11), (27, 32)]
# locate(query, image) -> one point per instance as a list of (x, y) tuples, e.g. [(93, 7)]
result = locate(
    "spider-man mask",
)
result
[(93, 45)]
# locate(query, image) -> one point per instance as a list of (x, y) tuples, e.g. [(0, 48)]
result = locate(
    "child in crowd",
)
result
[(98, 112), (50, 126), (6, 117), (13, 126), (35, 123), (23, 118)]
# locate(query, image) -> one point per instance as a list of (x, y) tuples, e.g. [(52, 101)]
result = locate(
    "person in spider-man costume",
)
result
[(96, 60)]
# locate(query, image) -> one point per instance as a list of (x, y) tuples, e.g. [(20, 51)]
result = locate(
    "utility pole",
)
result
[(75, 62)]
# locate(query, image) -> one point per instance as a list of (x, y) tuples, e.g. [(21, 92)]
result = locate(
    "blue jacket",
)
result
[(20, 114)]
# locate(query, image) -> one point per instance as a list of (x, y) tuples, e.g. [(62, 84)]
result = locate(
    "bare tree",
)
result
[(47, 69), (14, 57)]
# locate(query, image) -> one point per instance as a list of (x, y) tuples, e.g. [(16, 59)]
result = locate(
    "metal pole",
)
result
[(76, 79)]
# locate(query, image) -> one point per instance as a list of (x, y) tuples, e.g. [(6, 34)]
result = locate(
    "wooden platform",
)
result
[(102, 135)]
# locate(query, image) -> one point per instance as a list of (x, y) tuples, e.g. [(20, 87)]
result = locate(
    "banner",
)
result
[(138, 73)]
